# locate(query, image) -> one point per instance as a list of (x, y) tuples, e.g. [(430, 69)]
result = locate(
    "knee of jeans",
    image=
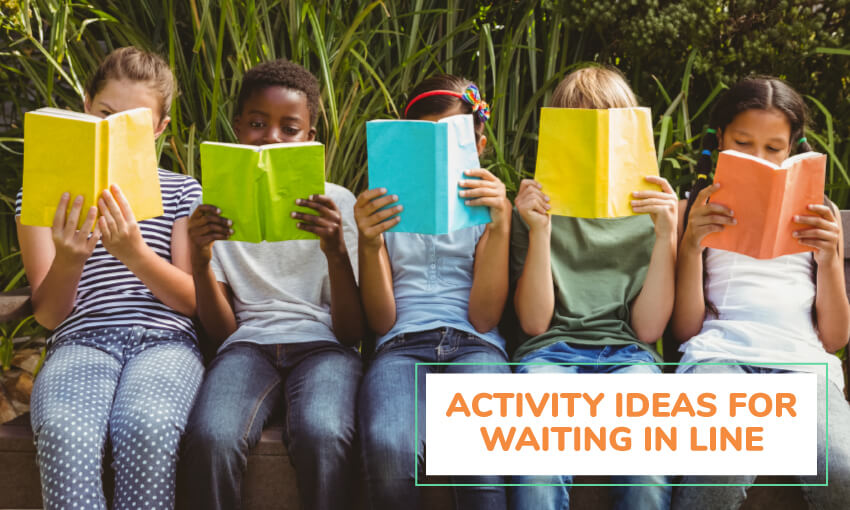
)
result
[(322, 434), (69, 433), (211, 440)]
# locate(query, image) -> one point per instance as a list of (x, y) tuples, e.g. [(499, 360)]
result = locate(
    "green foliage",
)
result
[(678, 55)]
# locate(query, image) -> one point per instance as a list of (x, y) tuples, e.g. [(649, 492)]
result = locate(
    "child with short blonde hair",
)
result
[(592, 291)]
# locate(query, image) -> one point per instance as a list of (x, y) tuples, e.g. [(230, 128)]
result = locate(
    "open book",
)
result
[(83, 154), (256, 186), (590, 161), (421, 162), (765, 198)]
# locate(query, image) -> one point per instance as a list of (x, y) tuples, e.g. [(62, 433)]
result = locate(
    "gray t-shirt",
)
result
[(281, 291)]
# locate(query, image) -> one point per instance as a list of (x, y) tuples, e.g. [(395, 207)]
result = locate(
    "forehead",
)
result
[(277, 101), (770, 122)]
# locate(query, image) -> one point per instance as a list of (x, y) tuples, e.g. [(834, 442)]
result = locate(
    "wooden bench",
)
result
[(270, 479)]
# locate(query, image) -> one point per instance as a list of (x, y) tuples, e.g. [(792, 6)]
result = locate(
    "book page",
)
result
[(631, 157), (803, 185), (132, 164), (61, 155)]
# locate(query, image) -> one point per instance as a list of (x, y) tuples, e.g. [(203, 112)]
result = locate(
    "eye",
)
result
[(257, 124), (291, 131), (106, 113), (773, 149), (743, 144)]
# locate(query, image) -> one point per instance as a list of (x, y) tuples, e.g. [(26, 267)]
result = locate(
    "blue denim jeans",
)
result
[(133, 385), (557, 497), (314, 382), (391, 452), (835, 496)]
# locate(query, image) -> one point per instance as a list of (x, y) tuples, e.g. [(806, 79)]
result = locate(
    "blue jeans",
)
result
[(557, 497), (315, 383), (386, 416), (133, 384), (834, 496)]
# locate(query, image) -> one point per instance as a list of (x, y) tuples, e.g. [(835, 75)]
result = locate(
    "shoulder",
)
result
[(171, 179)]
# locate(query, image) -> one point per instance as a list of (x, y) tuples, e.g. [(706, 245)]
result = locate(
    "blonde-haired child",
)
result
[(592, 291), (122, 362)]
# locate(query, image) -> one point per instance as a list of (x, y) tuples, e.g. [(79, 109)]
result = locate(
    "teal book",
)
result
[(256, 186), (421, 162)]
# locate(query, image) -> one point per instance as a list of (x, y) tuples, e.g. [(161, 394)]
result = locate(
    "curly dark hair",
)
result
[(281, 73)]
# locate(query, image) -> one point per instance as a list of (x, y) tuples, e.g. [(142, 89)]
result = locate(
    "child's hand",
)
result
[(121, 235), (532, 205), (489, 191), (327, 224), (206, 225), (662, 206), (824, 235), (705, 218), (372, 219), (74, 246)]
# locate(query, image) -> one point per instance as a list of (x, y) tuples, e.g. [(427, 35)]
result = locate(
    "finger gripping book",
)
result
[(422, 161), (764, 198), (67, 151), (589, 161), (256, 186)]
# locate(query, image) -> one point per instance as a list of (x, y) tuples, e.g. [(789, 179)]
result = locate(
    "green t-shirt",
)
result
[(598, 268)]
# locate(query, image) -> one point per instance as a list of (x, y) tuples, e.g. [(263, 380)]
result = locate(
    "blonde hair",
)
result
[(595, 87), (134, 64)]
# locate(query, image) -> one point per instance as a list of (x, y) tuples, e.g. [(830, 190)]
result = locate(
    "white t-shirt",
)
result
[(281, 290)]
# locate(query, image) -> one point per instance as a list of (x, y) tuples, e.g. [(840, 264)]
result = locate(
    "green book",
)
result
[(256, 186)]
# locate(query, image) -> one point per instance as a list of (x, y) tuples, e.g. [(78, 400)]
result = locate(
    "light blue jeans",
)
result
[(134, 384), (387, 406), (834, 496), (564, 357)]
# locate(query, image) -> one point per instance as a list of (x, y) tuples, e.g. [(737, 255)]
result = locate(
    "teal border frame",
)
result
[(416, 434)]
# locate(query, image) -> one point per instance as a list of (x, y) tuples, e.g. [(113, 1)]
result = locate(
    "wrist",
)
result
[(371, 246), (137, 257)]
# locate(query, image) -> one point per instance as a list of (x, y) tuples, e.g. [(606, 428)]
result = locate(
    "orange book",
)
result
[(765, 198)]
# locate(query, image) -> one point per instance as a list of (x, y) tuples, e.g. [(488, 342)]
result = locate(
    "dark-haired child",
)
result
[(752, 312), (592, 294), (430, 298), (122, 362), (288, 318)]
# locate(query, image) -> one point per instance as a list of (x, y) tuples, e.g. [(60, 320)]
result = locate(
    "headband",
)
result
[(471, 96)]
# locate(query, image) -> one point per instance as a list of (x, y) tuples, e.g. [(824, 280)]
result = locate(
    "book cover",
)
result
[(590, 161), (765, 198), (422, 162), (84, 154), (256, 186)]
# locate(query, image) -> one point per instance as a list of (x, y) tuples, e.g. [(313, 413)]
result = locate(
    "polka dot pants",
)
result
[(135, 384)]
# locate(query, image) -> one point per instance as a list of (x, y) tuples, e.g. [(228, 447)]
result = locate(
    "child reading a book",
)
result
[(793, 308), (429, 298), (121, 363), (286, 317), (592, 290)]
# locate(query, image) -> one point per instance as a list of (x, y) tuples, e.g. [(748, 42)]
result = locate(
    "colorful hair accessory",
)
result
[(706, 152), (711, 131), (802, 140), (471, 96)]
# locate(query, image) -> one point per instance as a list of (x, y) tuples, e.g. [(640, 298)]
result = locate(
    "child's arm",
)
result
[(376, 277), (54, 259), (704, 218), (651, 309), (826, 236), (215, 311), (346, 310), (490, 274), (534, 298), (170, 282)]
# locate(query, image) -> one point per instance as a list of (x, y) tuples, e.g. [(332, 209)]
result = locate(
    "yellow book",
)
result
[(590, 161), (83, 155)]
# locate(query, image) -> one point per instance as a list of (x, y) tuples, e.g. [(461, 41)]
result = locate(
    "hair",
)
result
[(756, 92), (280, 73), (134, 64), (595, 86), (438, 104)]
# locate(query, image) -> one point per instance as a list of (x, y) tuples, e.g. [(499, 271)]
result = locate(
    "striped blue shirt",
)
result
[(109, 295)]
